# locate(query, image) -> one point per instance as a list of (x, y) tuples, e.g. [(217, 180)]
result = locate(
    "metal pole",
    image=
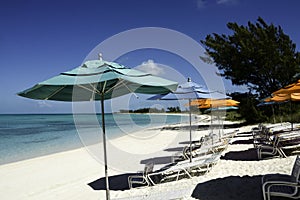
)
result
[(219, 122), (190, 113), (104, 147), (291, 113), (273, 114)]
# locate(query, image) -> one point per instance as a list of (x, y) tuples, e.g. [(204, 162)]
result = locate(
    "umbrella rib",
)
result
[(88, 89), (95, 88), (115, 86), (85, 88), (55, 92), (103, 88), (121, 82)]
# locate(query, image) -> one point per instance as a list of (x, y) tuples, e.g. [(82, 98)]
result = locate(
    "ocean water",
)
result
[(32, 135)]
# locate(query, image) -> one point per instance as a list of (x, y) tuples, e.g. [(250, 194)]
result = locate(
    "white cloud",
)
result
[(201, 3), (151, 67), (228, 2), (43, 104)]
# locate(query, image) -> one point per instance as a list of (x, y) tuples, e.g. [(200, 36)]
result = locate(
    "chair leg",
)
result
[(281, 153), (258, 154), (264, 192)]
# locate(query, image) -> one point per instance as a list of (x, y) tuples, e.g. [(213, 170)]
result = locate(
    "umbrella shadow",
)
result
[(243, 135), (188, 142), (158, 160), (249, 141), (186, 127), (230, 188), (246, 155), (174, 149), (249, 133), (117, 182)]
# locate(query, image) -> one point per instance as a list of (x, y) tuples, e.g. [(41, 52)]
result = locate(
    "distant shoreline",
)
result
[(93, 113)]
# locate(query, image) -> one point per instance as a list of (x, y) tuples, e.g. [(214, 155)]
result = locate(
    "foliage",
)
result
[(174, 109), (233, 116), (248, 109), (288, 111), (259, 55)]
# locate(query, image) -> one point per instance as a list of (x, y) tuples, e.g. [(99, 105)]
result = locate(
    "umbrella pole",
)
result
[(104, 146), (190, 115), (273, 114), (291, 108)]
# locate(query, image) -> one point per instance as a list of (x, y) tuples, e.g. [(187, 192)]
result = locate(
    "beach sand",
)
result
[(79, 174)]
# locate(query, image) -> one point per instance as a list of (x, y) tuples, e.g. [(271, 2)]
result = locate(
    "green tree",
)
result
[(174, 109), (259, 55)]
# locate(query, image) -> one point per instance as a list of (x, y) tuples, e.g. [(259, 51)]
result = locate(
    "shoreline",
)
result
[(79, 174), (80, 144), (36, 146)]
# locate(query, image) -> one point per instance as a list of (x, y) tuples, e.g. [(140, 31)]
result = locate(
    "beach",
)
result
[(79, 174)]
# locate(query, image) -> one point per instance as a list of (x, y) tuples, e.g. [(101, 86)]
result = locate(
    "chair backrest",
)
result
[(260, 126), (276, 141), (148, 168), (185, 152), (296, 170), (201, 140)]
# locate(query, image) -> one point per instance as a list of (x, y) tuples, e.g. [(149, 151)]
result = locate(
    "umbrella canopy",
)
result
[(185, 91), (189, 91), (214, 103), (292, 88), (283, 97), (222, 108), (269, 102), (98, 80), (290, 92)]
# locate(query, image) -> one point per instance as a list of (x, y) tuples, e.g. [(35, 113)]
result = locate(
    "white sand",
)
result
[(66, 175)]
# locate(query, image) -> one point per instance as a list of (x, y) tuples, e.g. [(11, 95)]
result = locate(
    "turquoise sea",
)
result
[(25, 136)]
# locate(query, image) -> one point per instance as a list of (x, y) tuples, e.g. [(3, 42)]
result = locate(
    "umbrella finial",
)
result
[(100, 56), (189, 79)]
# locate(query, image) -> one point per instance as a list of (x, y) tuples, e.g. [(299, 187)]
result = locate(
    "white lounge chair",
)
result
[(263, 134), (283, 185), (185, 169), (142, 178), (272, 150), (206, 147)]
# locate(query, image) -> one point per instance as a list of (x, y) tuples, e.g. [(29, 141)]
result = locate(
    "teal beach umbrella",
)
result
[(98, 80)]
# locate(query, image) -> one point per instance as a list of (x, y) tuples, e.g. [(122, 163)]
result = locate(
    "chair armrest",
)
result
[(265, 147), (143, 180), (267, 185), (288, 183), (276, 177)]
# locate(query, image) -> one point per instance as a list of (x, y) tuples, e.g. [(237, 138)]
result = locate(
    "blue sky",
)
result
[(41, 38)]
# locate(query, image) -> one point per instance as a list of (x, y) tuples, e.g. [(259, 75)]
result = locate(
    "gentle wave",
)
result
[(28, 136)]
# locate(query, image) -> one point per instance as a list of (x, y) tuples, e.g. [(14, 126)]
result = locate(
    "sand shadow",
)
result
[(188, 142), (247, 155), (249, 141), (242, 135), (249, 133), (174, 149), (118, 182), (158, 160), (230, 188)]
